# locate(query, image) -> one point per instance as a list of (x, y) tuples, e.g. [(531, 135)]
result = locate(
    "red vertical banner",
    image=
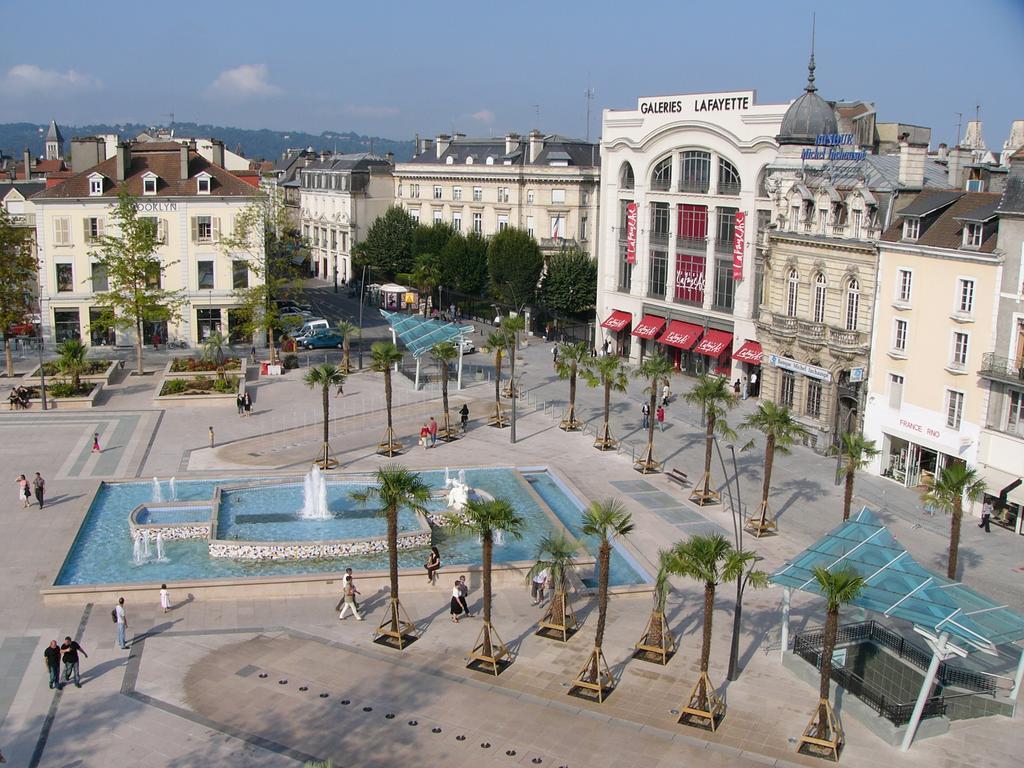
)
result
[(739, 239), (631, 233)]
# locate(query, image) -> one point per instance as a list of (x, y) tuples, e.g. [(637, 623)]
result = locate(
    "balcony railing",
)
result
[(698, 185), (1001, 368), (23, 219), (661, 185), (727, 188), (811, 332), (658, 239), (692, 244), (845, 340), (784, 325), (557, 242)]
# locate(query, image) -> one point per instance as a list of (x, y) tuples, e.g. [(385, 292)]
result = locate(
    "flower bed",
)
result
[(95, 371), (201, 365), (200, 385), (60, 396)]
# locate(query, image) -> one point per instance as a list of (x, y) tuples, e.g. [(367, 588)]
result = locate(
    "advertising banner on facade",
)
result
[(690, 278), (631, 233), (739, 239)]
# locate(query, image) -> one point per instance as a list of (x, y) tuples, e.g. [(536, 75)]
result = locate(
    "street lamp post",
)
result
[(335, 274), (39, 350), (362, 295)]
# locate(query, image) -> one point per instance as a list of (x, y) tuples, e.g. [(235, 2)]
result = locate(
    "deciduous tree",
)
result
[(18, 268), (515, 262), (569, 285), (464, 264), (387, 248)]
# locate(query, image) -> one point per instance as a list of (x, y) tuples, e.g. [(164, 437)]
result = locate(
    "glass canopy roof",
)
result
[(419, 334), (897, 585)]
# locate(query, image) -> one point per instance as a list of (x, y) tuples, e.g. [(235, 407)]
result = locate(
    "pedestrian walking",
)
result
[(247, 403), (165, 598), (606, 347), (746, 387), (645, 412), (660, 416), (96, 443), (121, 619), (433, 432), (554, 357), (39, 486), (432, 565), (240, 404), (71, 649), (537, 584), (463, 593), (425, 436), (464, 417), (24, 492), (666, 393), (456, 603), (349, 602), (736, 389), (51, 657), (986, 516), (752, 384), (346, 579)]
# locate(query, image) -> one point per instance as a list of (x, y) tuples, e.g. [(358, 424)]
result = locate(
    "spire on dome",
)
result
[(811, 87)]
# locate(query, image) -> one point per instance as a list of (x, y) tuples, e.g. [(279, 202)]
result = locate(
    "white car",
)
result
[(466, 346)]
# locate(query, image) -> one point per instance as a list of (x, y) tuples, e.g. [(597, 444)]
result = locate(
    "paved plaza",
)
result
[(276, 681)]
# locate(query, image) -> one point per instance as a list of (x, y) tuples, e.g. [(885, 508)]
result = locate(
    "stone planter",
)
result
[(204, 397), (32, 379), (65, 403), (168, 374)]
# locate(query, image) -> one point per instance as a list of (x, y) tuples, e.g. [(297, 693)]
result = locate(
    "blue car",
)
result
[(323, 340)]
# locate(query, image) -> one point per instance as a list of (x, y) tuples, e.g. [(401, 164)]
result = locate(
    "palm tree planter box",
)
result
[(101, 376), (66, 403), (237, 370), (200, 396)]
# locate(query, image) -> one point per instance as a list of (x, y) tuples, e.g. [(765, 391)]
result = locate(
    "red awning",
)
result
[(680, 334), (648, 327), (750, 352), (617, 320), (714, 343)]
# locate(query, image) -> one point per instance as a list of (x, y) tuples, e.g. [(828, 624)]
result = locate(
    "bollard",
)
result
[(211, 437)]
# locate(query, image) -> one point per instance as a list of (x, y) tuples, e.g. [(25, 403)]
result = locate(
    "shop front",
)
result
[(678, 341), (917, 446), (749, 356), (716, 346), (1003, 498), (617, 326), (649, 327)]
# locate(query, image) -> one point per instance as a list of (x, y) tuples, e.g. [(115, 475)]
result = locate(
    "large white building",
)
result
[(683, 202), (192, 200)]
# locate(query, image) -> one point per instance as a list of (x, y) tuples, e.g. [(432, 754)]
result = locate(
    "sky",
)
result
[(395, 69)]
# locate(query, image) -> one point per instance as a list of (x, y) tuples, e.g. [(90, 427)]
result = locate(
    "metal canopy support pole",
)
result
[(458, 383), (938, 652), (416, 385), (1019, 677), (394, 340), (787, 593)]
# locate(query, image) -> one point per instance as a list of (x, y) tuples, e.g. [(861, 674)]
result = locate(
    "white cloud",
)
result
[(242, 82), (367, 110), (29, 78), (484, 116)]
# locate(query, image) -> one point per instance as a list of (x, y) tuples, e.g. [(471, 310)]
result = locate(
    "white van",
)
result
[(312, 326)]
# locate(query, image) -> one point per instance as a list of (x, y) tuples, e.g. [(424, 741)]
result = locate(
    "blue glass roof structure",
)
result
[(419, 334), (897, 585)]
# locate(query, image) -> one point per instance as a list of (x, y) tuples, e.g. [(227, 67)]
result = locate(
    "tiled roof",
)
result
[(360, 161), (946, 231), (163, 159), (929, 201), (556, 147)]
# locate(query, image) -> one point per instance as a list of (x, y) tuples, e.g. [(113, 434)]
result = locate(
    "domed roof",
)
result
[(807, 117)]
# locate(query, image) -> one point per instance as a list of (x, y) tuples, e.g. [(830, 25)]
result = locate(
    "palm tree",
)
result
[(325, 376), (512, 325), (383, 356), (485, 517), (606, 520), (856, 453), (947, 492), (654, 369), (712, 560), (444, 352), (571, 358), (781, 431), (347, 331), (657, 639), (715, 398), (213, 347), (838, 588), (556, 554), (72, 361), (497, 341), (395, 488), (612, 373)]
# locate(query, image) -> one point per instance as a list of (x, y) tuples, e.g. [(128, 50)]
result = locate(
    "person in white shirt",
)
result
[(122, 624)]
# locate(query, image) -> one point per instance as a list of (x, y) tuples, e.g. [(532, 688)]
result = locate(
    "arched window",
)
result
[(819, 298), (695, 172), (762, 182), (661, 176), (449, 160), (469, 160), (792, 292), (852, 304), (626, 178), (490, 160), (728, 178)]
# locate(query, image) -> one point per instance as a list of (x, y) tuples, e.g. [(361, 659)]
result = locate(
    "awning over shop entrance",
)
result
[(617, 320), (750, 352), (996, 480), (680, 334), (648, 327), (714, 343)]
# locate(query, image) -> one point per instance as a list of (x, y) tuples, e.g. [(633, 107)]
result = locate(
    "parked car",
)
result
[(289, 304), (311, 326), (467, 346), (293, 319), (323, 340)]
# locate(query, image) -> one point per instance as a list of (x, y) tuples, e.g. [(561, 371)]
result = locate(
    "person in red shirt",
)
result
[(433, 432)]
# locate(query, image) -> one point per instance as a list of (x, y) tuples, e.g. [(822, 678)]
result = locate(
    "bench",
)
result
[(676, 475)]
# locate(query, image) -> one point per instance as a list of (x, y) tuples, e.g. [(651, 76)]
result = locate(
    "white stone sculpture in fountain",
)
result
[(458, 495)]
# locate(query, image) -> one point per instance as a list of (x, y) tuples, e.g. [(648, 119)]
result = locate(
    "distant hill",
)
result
[(259, 144)]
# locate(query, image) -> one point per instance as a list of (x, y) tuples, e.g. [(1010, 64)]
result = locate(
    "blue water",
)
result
[(174, 515), (102, 551), (622, 568)]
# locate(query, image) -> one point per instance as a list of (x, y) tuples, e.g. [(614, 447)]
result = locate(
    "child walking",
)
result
[(165, 598)]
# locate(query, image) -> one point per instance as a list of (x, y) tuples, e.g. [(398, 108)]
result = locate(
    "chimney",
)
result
[(912, 157), (87, 152), (536, 144), (973, 138), (218, 152), (124, 161), (443, 140), (943, 151), (390, 157), (183, 161), (458, 136), (955, 162), (511, 142), (26, 160), (425, 146)]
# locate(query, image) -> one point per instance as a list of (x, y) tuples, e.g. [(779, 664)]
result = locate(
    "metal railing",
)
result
[(1003, 368)]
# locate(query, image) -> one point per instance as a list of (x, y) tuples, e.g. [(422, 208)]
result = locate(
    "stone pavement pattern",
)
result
[(188, 694)]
